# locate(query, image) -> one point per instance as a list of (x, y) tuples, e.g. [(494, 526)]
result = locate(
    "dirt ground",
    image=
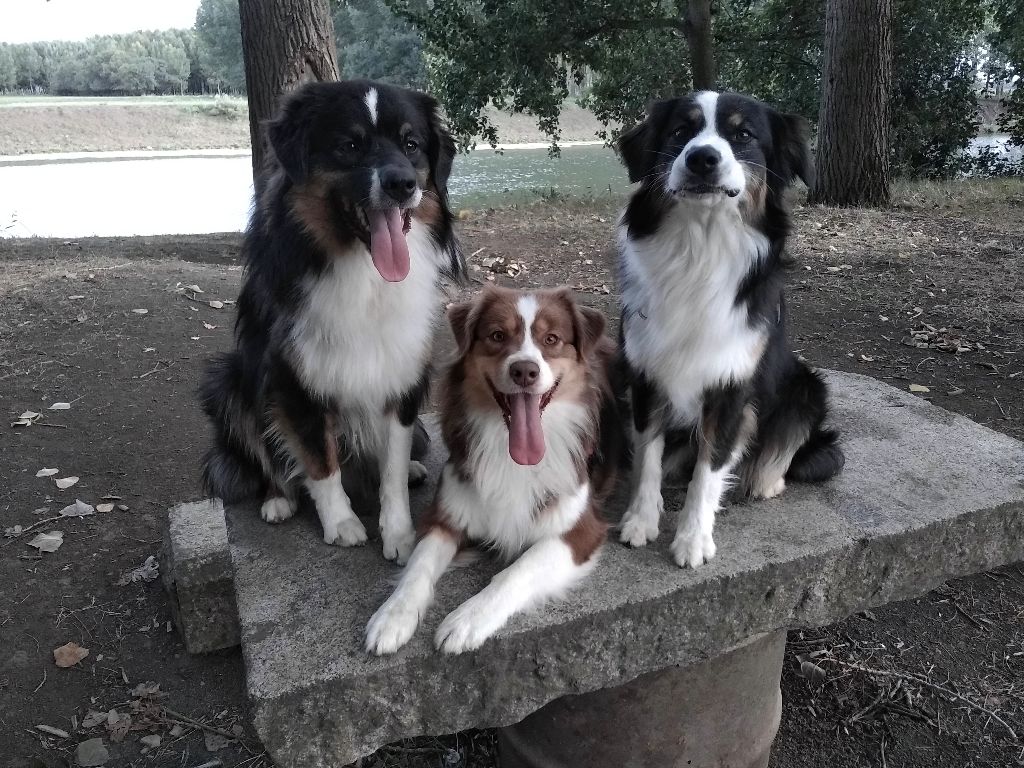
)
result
[(937, 681), (90, 127)]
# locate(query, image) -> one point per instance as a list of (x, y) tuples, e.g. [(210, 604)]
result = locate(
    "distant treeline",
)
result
[(131, 65), (371, 41)]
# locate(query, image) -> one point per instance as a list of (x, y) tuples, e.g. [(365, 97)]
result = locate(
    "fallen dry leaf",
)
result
[(919, 388), (148, 571), (78, 509), (45, 472), (93, 718), (60, 406), (217, 304), (68, 655), (48, 542), (194, 288), (27, 419), (209, 327), (107, 507), (215, 742), (66, 482)]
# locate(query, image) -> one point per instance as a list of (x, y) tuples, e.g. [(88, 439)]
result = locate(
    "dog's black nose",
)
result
[(398, 183), (524, 372), (703, 161)]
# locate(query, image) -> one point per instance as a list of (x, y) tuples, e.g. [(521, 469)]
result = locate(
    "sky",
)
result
[(26, 21)]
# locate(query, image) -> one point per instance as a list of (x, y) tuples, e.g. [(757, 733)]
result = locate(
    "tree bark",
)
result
[(285, 43), (853, 122), (702, 48)]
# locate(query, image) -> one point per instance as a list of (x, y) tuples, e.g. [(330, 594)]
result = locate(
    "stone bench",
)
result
[(682, 666)]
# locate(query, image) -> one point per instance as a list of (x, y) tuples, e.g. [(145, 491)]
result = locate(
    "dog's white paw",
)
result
[(391, 627), (347, 532), (693, 547), (417, 473), (640, 523), (464, 629), (398, 544), (277, 509), (770, 491)]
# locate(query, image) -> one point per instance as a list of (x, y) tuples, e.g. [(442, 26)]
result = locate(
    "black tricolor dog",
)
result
[(349, 240), (714, 384)]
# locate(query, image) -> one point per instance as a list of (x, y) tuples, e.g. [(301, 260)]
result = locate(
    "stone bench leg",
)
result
[(722, 712)]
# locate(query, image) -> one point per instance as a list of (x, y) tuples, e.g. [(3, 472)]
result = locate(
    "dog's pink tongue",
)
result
[(525, 434), (388, 247)]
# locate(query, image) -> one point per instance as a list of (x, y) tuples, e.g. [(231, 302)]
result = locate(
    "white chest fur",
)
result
[(499, 503), (361, 339), (686, 332)]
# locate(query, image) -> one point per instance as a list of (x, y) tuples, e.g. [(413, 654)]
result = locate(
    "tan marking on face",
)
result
[(735, 120), (695, 115)]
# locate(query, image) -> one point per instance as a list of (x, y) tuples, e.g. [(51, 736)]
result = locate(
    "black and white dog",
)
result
[(714, 383), (349, 240)]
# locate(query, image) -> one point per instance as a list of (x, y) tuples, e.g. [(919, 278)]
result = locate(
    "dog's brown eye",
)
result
[(497, 337), (411, 145), (349, 146), (743, 135), (550, 340)]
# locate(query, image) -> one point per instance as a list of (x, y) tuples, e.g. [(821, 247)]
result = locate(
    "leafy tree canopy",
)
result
[(517, 54)]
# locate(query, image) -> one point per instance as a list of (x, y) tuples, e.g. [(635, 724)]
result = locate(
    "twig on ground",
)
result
[(31, 527), (36, 689), (177, 717), (911, 677)]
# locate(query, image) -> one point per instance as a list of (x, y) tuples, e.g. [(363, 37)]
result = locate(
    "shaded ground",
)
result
[(70, 125), (867, 288)]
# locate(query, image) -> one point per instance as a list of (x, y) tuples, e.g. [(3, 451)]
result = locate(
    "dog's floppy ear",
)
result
[(587, 324), (441, 148), (790, 138), (288, 134), (463, 322), (638, 147)]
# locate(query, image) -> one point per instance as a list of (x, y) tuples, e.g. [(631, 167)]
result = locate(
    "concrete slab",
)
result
[(926, 496), (196, 572)]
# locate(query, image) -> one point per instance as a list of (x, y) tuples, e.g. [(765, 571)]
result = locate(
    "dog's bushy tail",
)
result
[(818, 459), (231, 470)]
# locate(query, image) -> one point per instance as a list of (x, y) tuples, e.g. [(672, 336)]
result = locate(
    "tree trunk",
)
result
[(853, 122), (702, 48), (285, 43)]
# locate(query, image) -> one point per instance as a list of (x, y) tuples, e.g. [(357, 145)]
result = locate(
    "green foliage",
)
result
[(8, 68), (219, 45), (374, 43), (1006, 39), (132, 64), (516, 54)]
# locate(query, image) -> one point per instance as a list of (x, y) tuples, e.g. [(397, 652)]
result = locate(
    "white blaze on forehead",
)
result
[(527, 306), (371, 104), (708, 103)]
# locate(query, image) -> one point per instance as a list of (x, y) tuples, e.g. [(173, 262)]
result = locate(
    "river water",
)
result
[(182, 193), (194, 195)]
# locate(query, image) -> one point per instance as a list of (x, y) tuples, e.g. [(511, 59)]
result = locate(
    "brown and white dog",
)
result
[(530, 418)]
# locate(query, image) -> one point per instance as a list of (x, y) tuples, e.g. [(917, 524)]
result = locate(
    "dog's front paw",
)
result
[(693, 547), (277, 509), (347, 532), (391, 626), (398, 544), (769, 491), (463, 629), (417, 473), (640, 523)]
